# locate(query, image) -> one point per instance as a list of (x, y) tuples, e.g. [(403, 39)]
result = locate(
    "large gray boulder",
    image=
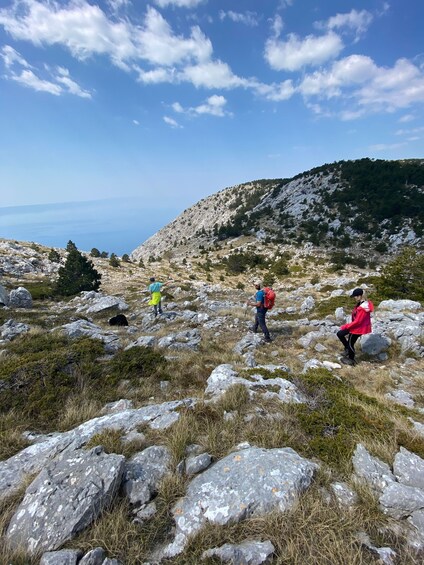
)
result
[(400, 500), (64, 499), (374, 344), (399, 305), (250, 482), (11, 329), (20, 298), (62, 557), (35, 457), (94, 302), (84, 328), (143, 473), (247, 343)]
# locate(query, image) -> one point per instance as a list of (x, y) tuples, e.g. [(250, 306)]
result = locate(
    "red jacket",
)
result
[(361, 319)]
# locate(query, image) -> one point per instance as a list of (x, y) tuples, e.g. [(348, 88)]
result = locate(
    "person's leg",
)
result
[(341, 334), (255, 324), (160, 307), (353, 338), (261, 319), (155, 310)]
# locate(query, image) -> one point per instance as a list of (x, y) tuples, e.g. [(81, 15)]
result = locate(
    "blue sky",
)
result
[(172, 100)]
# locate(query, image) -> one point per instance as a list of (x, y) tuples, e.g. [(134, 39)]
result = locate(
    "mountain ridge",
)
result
[(338, 205)]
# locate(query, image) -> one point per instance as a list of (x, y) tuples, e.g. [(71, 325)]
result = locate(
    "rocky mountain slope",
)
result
[(184, 438), (357, 204)]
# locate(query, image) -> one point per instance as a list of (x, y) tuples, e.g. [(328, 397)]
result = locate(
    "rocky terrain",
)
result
[(185, 438)]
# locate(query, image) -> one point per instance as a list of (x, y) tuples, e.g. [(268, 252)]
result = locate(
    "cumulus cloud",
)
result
[(277, 25), (171, 122), (366, 87), (357, 22), (178, 3), (247, 18), (85, 30), (212, 74), (58, 81), (275, 92), (295, 53), (214, 106)]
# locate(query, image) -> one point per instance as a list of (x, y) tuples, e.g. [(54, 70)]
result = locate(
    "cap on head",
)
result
[(357, 292), (257, 283), (152, 279)]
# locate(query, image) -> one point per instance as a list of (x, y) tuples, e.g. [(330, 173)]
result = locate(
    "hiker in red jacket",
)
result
[(360, 325)]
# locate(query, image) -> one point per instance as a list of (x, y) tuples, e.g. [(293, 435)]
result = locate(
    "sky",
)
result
[(155, 105)]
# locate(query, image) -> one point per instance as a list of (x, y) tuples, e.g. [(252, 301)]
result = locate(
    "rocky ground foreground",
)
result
[(186, 439)]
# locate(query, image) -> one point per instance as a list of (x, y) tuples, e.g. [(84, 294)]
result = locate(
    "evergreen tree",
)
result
[(126, 258), (95, 252), (54, 256), (104, 254), (114, 261), (71, 246), (78, 274)]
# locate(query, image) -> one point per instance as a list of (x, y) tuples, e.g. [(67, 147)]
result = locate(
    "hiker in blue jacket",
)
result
[(260, 312)]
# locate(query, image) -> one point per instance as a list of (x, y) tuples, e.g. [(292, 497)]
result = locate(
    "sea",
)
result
[(113, 225)]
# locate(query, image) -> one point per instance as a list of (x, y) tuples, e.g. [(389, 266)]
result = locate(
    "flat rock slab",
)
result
[(64, 499), (400, 500), (144, 471), (247, 483), (63, 557), (371, 469), (409, 468)]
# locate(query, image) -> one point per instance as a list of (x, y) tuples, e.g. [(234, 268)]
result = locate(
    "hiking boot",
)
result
[(267, 340), (345, 352), (348, 361)]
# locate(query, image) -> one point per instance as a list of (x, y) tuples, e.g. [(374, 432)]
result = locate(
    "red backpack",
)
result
[(269, 298)]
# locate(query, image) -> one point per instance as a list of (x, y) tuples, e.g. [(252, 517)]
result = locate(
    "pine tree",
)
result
[(114, 261), (95, 252), (403, 276), (78, 274)]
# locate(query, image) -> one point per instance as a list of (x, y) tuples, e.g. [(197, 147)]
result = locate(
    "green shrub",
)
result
[(114, 261), (135, 363), (403, 276), (95, 252), (40, 290), (54, 256)]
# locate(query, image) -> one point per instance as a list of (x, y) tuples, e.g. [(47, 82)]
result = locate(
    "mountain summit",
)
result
[(364, 202)]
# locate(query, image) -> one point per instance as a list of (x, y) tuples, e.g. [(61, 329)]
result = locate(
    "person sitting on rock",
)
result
[(155, 295), (260, 312), (360, 325)]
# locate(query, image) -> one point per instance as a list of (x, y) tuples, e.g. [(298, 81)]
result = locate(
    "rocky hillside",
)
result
[(366, 203), (185, 439)]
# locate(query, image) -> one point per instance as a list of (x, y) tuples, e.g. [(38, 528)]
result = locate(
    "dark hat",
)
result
[(357, 292), (152, 279)]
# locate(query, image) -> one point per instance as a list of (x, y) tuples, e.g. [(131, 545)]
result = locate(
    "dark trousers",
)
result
[(157, 308), (348, 343), (260, 321)]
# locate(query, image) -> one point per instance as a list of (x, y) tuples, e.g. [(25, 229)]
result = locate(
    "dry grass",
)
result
[(77, 410)]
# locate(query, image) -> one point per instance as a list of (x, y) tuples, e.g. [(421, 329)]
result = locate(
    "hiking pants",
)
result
[(157, 308), (260, 321), (348, 343)]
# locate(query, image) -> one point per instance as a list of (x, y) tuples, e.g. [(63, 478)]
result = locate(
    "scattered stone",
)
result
[(62, 557), (94, 557), (385, 555), (20, 298), (144, 471), (399, 305), (375, 472), (189, 339), (11, 329), (307, 304), (401, 397), (345, 495), (4, 296), (197, 463), (142, 341), (399, 500), (84, 328), (249, 552), (118, 406), (409, 468), (248, 342), (145, 513)]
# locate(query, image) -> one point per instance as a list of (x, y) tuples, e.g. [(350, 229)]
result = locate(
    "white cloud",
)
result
[(247, 18), (275, 92), (358, 22), (11, 57), (277, 25), (178, 3), (59, 80), (85, 30), (214, 106), (117, 5), (171, 122), (296, 53), (367, 88), (407, 118), (28, 78), (410, 131), (136, 122), (212, 74)]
